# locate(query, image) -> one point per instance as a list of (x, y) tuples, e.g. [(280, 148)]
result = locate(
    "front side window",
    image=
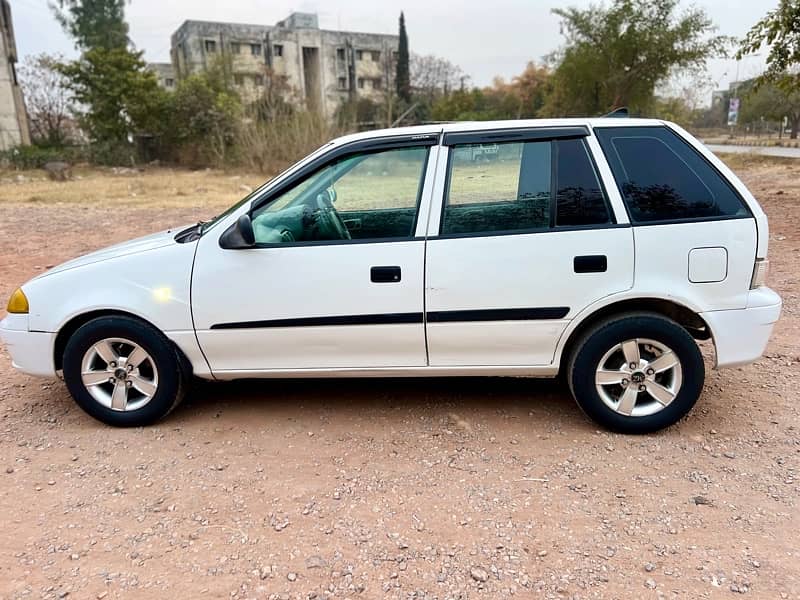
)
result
[(522, 186), (363, 196), (662, 178)]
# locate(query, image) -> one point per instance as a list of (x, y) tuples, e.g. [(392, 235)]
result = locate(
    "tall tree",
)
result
[(780, 30), (617, 56), (93, 23), (402, 79), (121, 97)]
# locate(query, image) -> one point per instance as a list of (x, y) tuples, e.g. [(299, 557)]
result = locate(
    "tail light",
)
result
[(759, 273)]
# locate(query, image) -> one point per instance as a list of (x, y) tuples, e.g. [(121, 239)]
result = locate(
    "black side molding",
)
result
[(499, 314), (446, 316), (592, 263)]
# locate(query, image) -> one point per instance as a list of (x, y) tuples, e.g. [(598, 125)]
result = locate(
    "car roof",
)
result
[(437, 128)]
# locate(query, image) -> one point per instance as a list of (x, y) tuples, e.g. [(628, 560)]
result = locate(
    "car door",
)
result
[(520, 242), (335, 279)]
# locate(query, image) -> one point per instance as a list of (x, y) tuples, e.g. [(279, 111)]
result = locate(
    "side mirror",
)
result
[(239, 235)]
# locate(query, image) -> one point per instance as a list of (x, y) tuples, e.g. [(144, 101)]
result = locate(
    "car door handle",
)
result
[(591, 263), (384, 274)]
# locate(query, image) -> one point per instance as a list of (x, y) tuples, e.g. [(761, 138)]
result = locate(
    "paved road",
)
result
[(765, 150)]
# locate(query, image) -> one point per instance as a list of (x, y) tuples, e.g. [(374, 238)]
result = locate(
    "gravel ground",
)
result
[(459, 488)]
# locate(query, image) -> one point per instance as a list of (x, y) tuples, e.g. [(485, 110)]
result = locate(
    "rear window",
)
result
[(662, 178), (522, 186)]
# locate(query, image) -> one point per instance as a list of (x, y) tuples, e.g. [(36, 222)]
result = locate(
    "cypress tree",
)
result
[(402, 78)]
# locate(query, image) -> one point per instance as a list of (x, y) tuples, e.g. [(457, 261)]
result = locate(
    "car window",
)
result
[(362, 196), (662, 178), (511, 187)]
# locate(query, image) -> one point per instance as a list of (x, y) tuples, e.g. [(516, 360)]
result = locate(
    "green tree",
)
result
[(772, 102), (93, 23), (204, 116), (617, 56), (402, 78), (122, 97), (780, 30)]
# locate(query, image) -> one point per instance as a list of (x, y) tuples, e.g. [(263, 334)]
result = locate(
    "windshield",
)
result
[(208, 225)]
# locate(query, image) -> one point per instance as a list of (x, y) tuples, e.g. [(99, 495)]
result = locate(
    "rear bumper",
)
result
[(31, 351), (740, 336)]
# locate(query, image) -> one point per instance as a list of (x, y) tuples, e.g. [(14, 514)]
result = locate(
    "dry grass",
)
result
[(154, 187)]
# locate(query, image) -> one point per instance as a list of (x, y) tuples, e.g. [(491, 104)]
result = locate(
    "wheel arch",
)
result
[(686, 317), (77, 321)]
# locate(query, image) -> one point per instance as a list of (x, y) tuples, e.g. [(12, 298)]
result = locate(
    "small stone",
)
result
[(74, 556), (316, 562), (292, 576), (479, 574), (728, 455), (650, 583), (9, 470), (698, 500), (542, 553), (649, 567), (51, 482)]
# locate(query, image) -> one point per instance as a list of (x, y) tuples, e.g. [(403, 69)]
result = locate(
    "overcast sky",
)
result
[(485, 39)]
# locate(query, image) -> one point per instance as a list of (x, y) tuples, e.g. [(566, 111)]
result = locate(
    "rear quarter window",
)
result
[(662, 178)]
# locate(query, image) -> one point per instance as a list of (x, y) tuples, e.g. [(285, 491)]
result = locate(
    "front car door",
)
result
[(336, 277), (522, 240)]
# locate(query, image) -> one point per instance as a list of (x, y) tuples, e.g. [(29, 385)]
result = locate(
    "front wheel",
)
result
[(123, 371), (636, 373)]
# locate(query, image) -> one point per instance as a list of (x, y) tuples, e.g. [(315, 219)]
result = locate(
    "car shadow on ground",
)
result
[(481, 398)]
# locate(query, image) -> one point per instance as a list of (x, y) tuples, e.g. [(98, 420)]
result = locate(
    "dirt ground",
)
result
[(450, 488)]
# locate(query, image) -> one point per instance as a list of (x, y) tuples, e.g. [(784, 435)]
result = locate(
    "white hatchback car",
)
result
[(596, 248)]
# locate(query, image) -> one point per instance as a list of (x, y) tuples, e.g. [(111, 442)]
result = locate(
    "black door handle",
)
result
[(384, 274), (592, 263)]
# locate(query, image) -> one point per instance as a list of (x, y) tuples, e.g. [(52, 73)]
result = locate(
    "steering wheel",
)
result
[(329, 223)]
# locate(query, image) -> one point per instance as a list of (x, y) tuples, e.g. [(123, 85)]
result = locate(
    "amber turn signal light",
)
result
[(18, 303)]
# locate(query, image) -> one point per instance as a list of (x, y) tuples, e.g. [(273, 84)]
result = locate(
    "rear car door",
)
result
[(522, 241)]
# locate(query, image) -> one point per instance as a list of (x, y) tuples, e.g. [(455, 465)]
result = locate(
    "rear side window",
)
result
[(522, 186), (662, 178)]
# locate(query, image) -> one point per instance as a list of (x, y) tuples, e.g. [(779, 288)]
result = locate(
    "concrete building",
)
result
[(165, 74), (320, 68), (13, 118)]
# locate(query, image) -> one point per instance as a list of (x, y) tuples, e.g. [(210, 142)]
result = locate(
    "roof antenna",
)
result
[(618, 113)]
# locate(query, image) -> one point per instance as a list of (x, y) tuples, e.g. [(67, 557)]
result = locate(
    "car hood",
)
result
[(142, 244)]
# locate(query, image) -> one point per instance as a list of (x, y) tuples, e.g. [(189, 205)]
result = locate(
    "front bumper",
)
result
[(741, 336), (31, 351)]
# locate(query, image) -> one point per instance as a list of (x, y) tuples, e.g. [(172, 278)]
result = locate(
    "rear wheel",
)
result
[(123, 371), (636, 373)]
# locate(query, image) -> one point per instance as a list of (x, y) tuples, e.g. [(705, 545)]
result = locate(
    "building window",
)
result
[(376, 56), (238, 79), (255, 49), (169, 82), (342, 83), (361, 83), (258, 80), (359, 55), (377, 83), (211, 46), (277, 50), (340, 54), (236, 47)]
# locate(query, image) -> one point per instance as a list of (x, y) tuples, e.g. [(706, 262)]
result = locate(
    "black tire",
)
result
[(599, 340), (171, 367)]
